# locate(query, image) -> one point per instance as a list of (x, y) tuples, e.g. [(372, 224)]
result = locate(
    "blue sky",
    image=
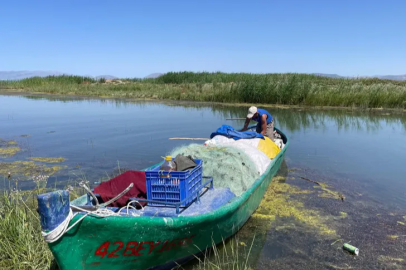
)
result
[(136, 38)]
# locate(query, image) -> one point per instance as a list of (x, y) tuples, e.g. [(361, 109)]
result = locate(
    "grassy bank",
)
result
[(21, 243), (283, 89)]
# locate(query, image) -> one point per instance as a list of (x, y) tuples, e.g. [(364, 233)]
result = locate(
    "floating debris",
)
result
[(351, 249), (327, 192)]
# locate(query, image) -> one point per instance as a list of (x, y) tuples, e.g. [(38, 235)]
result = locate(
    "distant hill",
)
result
[(392, 77), (382, 77), (154, 75), (328, 75), (107, 77), (19, 75)]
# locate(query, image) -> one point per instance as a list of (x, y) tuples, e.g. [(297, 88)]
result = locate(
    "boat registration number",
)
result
[(134, 248)]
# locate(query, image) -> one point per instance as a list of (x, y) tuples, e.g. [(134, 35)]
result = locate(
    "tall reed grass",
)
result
[(229, 255), (21, 243), (284, 89)]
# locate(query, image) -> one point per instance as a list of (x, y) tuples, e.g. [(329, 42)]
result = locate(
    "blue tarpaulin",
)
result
[(230, 132)]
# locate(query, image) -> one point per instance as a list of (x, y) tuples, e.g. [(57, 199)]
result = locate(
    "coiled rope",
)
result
[(63, 228)]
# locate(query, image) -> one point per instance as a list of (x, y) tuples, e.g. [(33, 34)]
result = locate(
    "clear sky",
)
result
[(135, 38)]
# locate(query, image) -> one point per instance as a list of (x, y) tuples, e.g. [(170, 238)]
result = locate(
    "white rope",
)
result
[(130, 206), (62, 228), (56, 233)]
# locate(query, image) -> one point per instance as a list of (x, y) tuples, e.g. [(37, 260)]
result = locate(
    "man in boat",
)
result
[(264, 120)]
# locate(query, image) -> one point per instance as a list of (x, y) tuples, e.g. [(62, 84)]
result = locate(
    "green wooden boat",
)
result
[(148, 242)]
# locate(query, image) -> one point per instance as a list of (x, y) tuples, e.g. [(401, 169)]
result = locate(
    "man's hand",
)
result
[(247, 121)]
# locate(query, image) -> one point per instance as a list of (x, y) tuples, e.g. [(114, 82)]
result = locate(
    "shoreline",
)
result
[(24, 92)]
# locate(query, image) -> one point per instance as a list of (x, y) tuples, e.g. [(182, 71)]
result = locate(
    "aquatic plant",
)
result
[(285, 89), (231, 254), (40, 180), (8, 148), (277, 203), (48, 160), (9, 151), (26, 168)]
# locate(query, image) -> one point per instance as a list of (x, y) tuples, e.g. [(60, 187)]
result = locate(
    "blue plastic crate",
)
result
[(174, 186)]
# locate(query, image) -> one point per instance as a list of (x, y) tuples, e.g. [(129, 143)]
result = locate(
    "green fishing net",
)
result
[(229, 166)]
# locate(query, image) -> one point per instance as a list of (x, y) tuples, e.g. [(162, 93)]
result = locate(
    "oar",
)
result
[(191, 139), (235, 118)]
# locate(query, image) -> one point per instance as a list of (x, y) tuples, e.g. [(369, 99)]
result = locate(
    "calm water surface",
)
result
[(97, 136)]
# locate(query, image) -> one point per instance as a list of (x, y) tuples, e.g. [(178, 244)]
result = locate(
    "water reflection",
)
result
[(287, 119), (299, 119)]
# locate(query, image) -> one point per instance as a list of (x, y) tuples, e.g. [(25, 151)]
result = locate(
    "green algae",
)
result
[(48, 160), (393, 263), (27, 168), (343, 214), (8, 148), (278, 203), (393, 237), (9, 151), (328, 193), (390, 259)]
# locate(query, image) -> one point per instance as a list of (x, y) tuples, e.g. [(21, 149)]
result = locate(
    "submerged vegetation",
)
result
[(48, 160), (284, 89), (277, 204), (23, 168), (8, 148)]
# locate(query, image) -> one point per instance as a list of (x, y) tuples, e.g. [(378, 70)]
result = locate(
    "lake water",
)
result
[(359, 149)]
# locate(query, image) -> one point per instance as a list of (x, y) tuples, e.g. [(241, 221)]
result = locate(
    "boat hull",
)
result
[(146, 242)]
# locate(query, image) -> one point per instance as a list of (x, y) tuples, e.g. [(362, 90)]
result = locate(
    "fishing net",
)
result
[(229, 166)]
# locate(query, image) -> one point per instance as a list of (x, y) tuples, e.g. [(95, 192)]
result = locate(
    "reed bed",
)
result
[(282, 89), (21, 243)]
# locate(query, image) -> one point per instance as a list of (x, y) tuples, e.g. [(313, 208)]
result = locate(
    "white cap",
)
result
[(251, 111)]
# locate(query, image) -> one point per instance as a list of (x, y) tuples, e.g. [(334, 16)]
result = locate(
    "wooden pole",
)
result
[(191, 139)]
